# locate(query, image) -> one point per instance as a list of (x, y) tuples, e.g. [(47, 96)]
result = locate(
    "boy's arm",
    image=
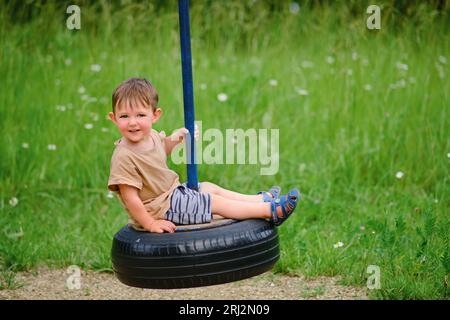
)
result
[(174, 139), (136, 208)]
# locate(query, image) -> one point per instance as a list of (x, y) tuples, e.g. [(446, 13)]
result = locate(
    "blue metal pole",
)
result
[(188, 92)]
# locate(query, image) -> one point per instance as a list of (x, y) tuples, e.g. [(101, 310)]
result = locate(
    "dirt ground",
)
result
[(46, 284)]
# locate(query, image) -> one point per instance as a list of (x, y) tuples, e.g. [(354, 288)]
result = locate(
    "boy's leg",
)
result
[(239, 210), (208, 187)]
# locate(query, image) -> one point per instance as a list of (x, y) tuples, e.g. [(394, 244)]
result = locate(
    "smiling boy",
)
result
[(151, 192)]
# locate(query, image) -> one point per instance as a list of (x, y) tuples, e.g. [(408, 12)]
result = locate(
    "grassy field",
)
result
[(363, 118)]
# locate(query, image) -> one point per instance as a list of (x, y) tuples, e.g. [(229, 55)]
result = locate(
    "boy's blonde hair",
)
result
[(135, 90)]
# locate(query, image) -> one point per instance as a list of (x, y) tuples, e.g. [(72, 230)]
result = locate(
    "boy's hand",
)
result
[(180, 134), (159, 226)]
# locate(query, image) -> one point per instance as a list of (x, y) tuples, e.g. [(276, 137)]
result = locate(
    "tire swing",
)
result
[(221, 251)]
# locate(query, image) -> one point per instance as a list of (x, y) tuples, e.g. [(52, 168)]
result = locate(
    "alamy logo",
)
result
[(74, 20), (237, 146), (74, 280), (374, 280), (374, 20)]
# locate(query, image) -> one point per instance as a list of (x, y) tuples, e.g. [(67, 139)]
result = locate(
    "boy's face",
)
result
[(134, 123)]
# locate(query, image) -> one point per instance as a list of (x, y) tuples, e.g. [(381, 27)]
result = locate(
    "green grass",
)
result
[(341, 144)]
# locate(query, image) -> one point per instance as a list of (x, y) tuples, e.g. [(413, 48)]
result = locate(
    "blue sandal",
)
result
[(287, 202), (274, 191)]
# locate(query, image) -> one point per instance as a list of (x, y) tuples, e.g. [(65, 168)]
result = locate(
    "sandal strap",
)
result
[(273, 209), (266, 197), (274, 191), (274, 206), (287, 205)]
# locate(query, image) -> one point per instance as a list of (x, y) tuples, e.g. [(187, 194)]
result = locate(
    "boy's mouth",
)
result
[(136, 130)]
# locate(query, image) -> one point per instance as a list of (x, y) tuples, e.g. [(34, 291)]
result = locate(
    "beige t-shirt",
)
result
[(146, 170)]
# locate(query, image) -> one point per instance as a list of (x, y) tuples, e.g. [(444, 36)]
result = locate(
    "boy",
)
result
[(151, 192)]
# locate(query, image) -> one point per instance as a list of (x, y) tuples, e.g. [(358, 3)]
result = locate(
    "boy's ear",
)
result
[(112, 117), (157, 114)]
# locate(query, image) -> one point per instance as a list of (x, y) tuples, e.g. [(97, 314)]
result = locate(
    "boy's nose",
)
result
[(132, 120)]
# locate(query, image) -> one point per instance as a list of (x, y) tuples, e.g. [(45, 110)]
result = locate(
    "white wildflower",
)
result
[(88, 126), (302, 92), (440, 70), (110, 195), (338, 245), (399, 175), (81, 90), (68, 61), (442, 59), (349, 72), (367, 87), (94, 116), (13, 201), (105, 130), (96, 67), (203, 86), (402, 66), (329, 59), (448, 155), (307, 64), (51, 147), (222, 97), (61, 108), (273, 82), (25, 145), (401, 83), (354, 55), (301, 167)]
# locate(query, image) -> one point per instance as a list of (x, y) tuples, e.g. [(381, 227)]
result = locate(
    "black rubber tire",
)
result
[(194, 258)]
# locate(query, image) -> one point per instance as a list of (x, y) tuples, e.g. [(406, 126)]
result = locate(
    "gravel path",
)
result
[(51, 284)]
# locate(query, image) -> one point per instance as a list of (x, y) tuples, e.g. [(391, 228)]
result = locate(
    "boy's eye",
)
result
[(142, 115), (124, 116)]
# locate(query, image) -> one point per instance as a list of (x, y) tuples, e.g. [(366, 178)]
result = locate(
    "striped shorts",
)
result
[(188, 206)]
